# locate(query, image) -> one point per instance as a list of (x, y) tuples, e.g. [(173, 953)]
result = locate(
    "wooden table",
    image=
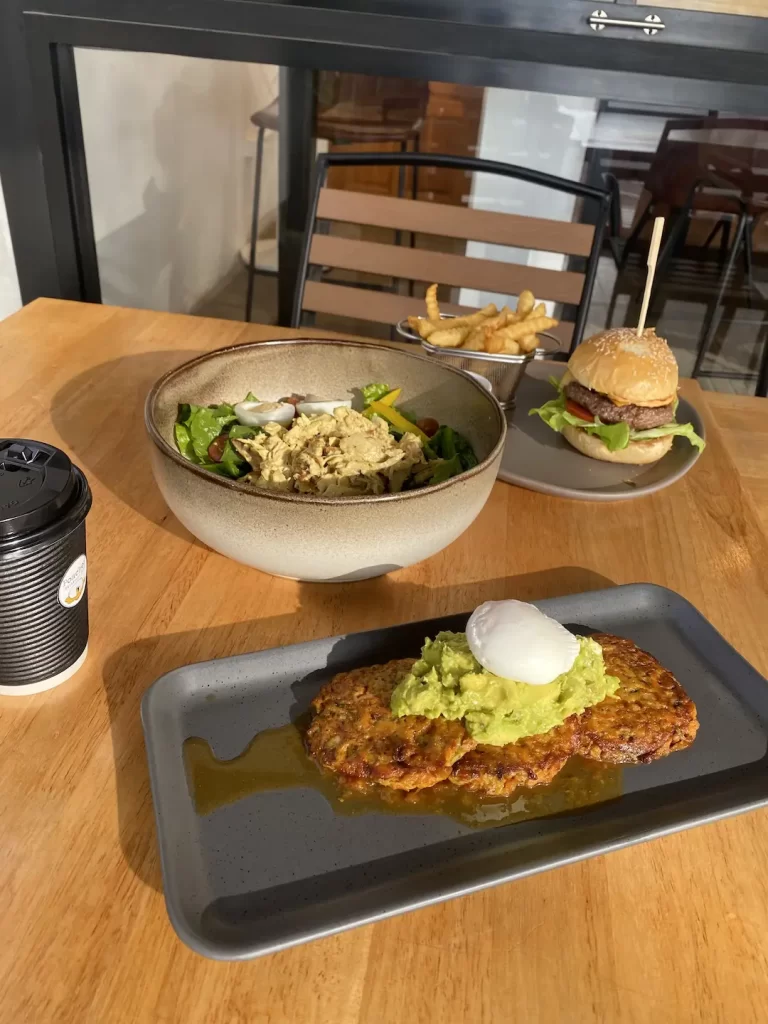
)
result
[(673, 931)]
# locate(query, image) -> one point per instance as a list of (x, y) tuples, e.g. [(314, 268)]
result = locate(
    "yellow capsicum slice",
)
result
[(391, 397), (398, 421)]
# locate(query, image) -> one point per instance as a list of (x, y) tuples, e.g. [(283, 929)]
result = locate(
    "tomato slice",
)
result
[(578, 410)]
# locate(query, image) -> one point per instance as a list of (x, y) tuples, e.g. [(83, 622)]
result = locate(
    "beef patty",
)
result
[(354, 733), (639, 417), (649, 716)]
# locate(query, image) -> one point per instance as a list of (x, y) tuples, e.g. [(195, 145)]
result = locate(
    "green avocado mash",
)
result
[(449, 681)]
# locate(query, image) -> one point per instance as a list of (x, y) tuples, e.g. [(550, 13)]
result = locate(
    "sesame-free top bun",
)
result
[(628, 369), (637, 453)]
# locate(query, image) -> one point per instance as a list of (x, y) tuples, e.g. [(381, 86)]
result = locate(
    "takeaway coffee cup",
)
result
[(44, 500)]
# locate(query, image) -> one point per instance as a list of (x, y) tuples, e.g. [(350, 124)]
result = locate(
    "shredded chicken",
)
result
[(335, 455)]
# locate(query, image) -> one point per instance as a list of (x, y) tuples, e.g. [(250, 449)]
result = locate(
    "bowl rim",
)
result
[(314, 499)]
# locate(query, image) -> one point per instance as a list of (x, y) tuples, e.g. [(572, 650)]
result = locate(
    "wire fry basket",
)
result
[(503, 371)]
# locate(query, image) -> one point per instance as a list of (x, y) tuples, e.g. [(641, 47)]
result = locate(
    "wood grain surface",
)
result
[(672, 931), (751, 8)]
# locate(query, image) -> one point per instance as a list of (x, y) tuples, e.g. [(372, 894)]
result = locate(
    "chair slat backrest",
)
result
[(445, 268), (334, 251), (386, 307), (455, 222)]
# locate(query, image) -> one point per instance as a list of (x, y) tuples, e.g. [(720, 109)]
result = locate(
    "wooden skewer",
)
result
[(653, 254)]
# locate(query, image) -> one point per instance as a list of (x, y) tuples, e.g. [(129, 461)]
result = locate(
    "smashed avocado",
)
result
[(449, 681)]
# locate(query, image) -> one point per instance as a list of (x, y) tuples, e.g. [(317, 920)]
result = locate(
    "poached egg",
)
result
[(515, 640)]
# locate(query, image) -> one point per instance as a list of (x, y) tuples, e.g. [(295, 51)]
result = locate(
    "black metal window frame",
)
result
[(715, 61)]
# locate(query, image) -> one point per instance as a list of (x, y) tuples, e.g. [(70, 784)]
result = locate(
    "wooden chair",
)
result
[(570, 288), (715, 168)]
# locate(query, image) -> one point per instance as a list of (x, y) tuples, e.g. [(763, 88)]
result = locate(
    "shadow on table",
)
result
[(133, 668), (108, 440)]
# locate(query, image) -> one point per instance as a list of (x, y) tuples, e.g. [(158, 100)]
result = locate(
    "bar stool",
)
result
[(340, 125)]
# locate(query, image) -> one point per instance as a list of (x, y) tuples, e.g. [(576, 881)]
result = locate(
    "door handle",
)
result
[(599, 20)]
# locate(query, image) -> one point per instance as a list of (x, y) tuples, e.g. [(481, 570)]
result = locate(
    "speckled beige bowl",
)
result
[(304, 536)]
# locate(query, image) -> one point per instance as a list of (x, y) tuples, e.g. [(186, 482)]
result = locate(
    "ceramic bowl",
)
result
[(308, 537)]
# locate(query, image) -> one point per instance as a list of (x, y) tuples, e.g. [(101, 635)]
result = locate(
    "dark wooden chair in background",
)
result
[(713, 170), (570, 288), (346, 116)]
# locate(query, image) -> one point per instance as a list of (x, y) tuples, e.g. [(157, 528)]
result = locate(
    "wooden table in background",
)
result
[(751, 8), (672, 931)]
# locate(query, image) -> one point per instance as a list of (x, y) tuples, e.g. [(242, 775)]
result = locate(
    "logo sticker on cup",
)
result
[(72, 586)]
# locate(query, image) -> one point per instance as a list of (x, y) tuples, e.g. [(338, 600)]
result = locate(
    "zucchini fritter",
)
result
[(650, 715), (355, 734), (532, 761)]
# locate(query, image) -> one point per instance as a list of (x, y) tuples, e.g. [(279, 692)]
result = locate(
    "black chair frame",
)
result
[(600, 197)]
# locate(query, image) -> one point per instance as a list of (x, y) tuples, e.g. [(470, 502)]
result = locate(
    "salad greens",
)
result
[(449, 452), (373, 392), (614, 436), (198, 426), (204, 435)]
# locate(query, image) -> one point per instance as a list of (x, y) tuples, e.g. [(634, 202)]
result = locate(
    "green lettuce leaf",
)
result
[(183, 441), (446, 469), (373, 392), (238, 431), (205, 424), (215, 467), (465, 451), (448, 444), (678, 429), (232, 462), (443, 443), (198, 425), (615, 436)]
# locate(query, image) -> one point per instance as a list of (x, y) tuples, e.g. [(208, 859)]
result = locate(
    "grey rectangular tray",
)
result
[(280, 867)]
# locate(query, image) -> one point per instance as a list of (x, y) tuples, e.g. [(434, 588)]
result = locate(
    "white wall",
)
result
[(170, 161), (170, 168), (536, 130), (10, 299)]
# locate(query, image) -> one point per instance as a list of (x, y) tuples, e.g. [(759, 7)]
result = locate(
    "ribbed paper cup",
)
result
[(44, 501)]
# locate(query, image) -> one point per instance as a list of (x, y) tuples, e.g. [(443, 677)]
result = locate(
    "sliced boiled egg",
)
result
[(515, 640), (312, 406), (258, 414)]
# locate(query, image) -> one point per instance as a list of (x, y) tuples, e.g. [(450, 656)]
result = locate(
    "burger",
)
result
[(618, 399)]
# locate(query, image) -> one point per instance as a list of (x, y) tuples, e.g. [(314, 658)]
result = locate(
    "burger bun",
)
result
[(628, 369), (637, 453)]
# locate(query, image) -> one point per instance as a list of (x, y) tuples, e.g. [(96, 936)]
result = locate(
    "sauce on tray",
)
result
[(275, 759)]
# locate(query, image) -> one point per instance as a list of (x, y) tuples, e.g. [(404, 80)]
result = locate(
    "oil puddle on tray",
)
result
[(275, 760)]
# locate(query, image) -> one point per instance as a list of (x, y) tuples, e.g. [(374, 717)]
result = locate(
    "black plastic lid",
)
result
[(36, 482)]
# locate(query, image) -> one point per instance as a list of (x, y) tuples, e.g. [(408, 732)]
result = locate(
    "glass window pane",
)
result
[(173, 145)]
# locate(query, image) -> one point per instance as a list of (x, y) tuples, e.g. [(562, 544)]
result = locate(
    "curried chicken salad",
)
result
[(308, 445)]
